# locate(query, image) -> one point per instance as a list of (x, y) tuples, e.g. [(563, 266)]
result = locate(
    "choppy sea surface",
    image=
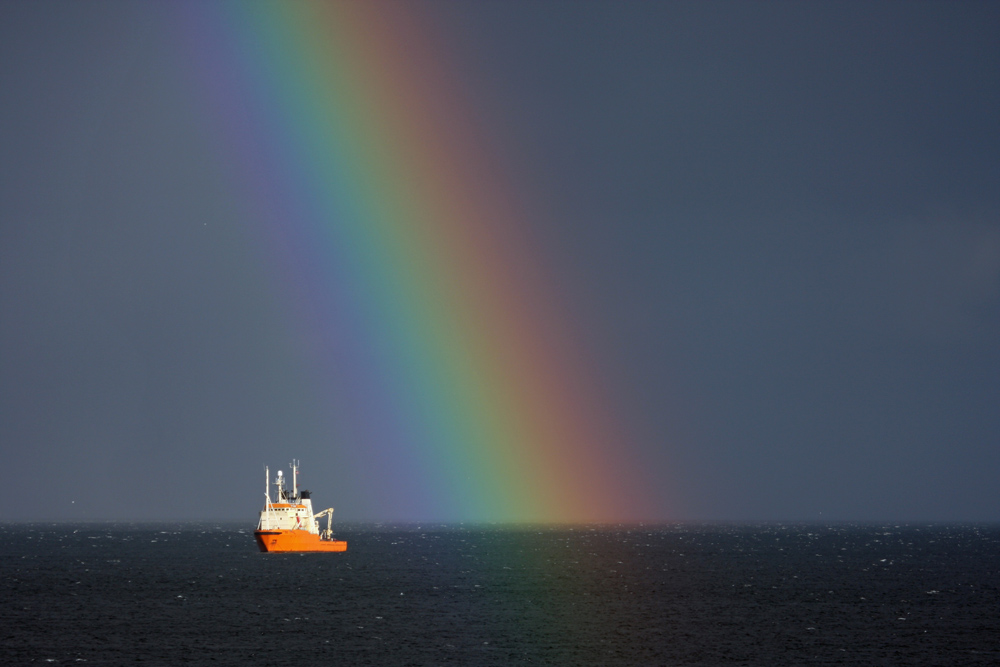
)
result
[(201, 594)]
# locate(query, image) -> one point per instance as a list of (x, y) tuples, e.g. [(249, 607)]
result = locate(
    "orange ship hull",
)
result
[(295, 541)]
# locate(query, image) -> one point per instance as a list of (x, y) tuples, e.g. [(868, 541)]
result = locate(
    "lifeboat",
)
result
[(289, 525)]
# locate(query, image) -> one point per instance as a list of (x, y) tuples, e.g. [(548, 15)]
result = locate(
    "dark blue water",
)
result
[(408, 595)]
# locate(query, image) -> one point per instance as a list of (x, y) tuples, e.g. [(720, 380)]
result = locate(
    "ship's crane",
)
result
[(328, 513)]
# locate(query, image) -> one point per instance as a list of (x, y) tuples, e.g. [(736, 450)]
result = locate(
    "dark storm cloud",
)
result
[(776, 222), (782, 219), (132, 307)]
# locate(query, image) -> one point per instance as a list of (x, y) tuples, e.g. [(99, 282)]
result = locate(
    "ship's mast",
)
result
[(265, 519), (294, 465)]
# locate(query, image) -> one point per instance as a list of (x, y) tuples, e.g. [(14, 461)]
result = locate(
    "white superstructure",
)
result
[(292, 510)]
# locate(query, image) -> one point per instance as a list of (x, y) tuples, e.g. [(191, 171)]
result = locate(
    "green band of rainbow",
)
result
[(454, 382)]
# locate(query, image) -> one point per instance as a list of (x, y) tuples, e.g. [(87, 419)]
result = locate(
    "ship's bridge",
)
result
[(289, 516)]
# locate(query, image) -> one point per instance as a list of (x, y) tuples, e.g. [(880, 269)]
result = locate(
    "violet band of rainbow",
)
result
[(451, 373)]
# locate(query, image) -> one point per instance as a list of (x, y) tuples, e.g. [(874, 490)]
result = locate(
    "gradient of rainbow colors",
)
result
[(453, 380)]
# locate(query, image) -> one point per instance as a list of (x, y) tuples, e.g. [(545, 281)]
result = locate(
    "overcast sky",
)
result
[(779, 224)]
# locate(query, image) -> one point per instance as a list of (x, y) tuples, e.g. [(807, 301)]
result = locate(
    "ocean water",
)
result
[(201, 594)]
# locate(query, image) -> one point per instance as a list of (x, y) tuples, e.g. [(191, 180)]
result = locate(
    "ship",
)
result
[(289, 525)]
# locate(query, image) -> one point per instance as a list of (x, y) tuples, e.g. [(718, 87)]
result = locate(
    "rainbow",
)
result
[(450, 374)]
